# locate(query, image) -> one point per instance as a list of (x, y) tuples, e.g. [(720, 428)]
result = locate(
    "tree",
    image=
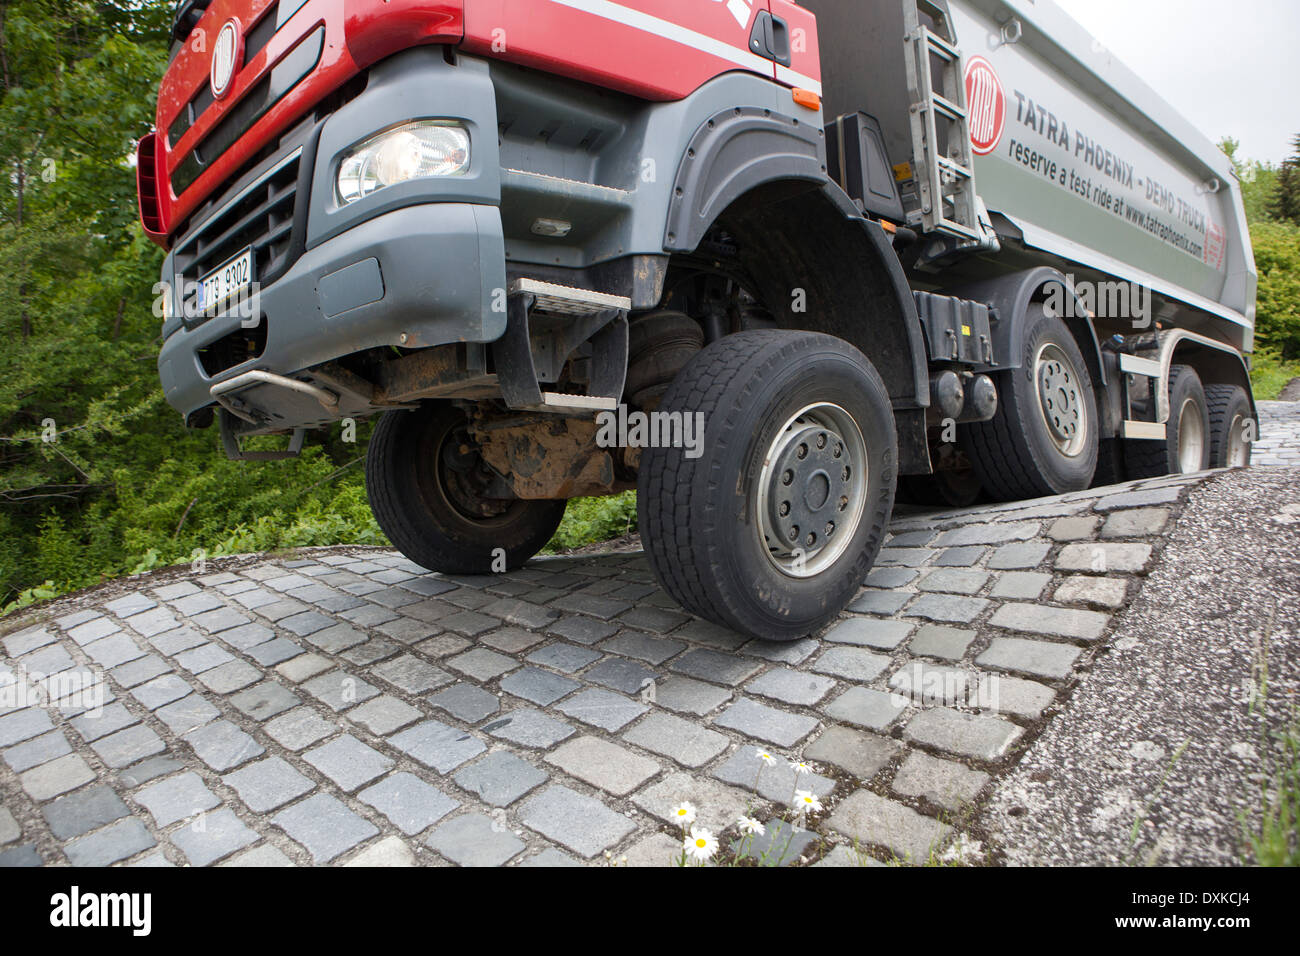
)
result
[(1286, 201)]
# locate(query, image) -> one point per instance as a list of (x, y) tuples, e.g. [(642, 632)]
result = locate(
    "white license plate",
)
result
[(226, 282)]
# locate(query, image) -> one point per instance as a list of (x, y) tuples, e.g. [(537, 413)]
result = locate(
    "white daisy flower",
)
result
[(751, 826), (798, 766), (767, 758), (805, 801), (684, 814), (701, 845)]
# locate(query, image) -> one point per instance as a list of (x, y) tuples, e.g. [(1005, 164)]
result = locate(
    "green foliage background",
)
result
[(124, 487)]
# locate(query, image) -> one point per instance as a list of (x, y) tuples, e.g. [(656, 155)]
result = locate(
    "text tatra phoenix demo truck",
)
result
[(867, 247)]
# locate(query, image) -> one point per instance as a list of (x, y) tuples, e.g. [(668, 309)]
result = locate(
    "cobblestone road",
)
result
[(345, 707)]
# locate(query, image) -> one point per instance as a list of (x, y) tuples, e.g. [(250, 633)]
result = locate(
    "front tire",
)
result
[(1044, 438), (425, 485), (771, 527)]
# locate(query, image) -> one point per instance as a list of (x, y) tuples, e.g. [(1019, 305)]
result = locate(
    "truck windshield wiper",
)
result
[(188, 13)]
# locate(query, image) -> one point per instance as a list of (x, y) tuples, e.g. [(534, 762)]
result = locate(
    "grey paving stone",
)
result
[(437, 745), (27, 640), (23, 725), (221, 619), (1139, 499), (119, 841), (223, 746), (265, 700), (21, 856), (482, 665), (203, 658), (38, 750), (384, 715), (162, 690), (127, 746), (602, 708), (687, 696), (196, 604), (81, 812), (348, 762), (130, 605), (177, 798), (715, 666), (1012, 557), (139, 774), (604, 765), (369, 615), (847, 856), (371, 652), (501, 778), (308, 622), (466, 702), (268, 784), (1011, 695), (783, 652), (113, 650), (567, 658), (186, 714), (790, 686), (593, 604), (411, 804), (954, 581), (1104, 558), (275, 652), (904, 557), (175, 640), (861, 754), (966, 735), (780, 844), (966, 557), (891, 577), (999, 533), (924, 684), (222, 834), (510, 640), (625, 676), (1097, 592), (1020, 585), (138, 671), (1041, 658), (1059, 622), (412, 674), (530, 728), (539, 686), (336, 639), (69, 621), (325, 826), (84, 634), (942, 782), (48, 660), (766, 723), (257, 598), (946, 643), (582, 824), (262, 857), (874, 820), (851, 663), (1135, 523), (717, 804), (303, 667), (656, 619), (338, 690), (947, 607), (549, 858), (880, 602), (93, 725), (230, 677), (469, 623), (1074, 528), (407, 630), (776, 781), (473, 839), (299, 728), (864, 707), (699, 631), (444, 645)]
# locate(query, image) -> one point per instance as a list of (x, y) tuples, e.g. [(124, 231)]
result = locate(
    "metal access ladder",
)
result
[(943, 181)]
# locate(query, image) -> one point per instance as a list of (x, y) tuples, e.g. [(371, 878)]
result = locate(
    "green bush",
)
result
[(590, 520), (1277, 256)]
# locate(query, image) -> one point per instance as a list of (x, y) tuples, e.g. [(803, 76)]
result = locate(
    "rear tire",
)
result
[(1044, 438), (1186, 448), (799, 441), (431, 511), (1230, 418)]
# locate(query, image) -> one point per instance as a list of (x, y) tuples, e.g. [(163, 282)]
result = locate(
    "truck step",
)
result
[(566, 300)]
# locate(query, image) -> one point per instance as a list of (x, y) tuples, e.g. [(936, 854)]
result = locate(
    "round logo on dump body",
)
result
[(226, 53), (986, 103)]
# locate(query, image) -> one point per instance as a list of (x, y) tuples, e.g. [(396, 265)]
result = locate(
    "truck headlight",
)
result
[(419, 150)]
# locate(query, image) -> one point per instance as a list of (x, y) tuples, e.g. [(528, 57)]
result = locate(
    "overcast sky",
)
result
[(1230, 68)]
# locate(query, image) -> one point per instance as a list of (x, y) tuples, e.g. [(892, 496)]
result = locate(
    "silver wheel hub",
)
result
[(1237, 447), (1061, 400), (1191, 438), (812, 490)]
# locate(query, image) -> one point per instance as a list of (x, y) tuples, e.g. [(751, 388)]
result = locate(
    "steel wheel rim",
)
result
[(1237, 443), (819, 497), (1191, 438), (1061, 403)]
